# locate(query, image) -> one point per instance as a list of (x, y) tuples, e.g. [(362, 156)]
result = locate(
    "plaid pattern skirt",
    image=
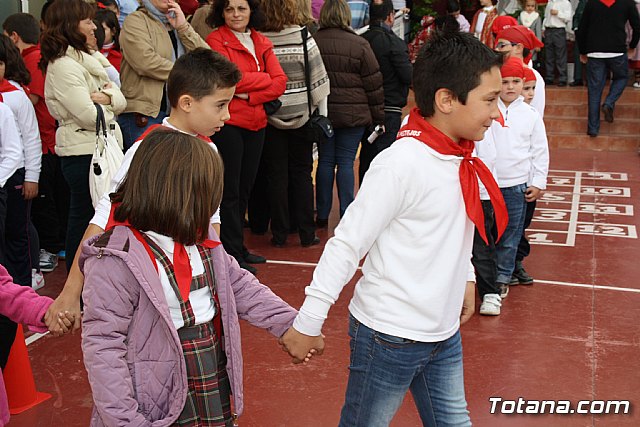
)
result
[(208, 402)]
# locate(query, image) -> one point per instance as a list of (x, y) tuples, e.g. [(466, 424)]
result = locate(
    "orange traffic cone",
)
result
[(18, 378)]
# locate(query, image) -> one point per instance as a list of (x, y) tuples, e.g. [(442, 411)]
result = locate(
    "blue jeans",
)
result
[(340, 151), (131, 131), (384, 367), (597, 69), (507, 246)]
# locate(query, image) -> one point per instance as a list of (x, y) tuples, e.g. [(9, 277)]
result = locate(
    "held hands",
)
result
[(175, 15), (63, 315), (532, 194), (301, 347)]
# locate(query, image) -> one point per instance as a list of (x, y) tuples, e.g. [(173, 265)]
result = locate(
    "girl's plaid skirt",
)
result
[(208, 402)]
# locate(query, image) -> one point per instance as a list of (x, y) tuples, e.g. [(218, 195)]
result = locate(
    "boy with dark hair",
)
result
[(393, 57), (414, 217), (51, 208), (200, 87)]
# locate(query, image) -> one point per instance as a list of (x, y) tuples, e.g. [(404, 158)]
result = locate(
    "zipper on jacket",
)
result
[(100, 253)]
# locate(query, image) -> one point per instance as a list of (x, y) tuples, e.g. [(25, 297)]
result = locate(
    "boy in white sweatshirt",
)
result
[(413, 219), (522, 163)]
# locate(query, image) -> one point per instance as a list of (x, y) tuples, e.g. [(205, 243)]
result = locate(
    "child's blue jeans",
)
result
[(507, 246), (383, 367)]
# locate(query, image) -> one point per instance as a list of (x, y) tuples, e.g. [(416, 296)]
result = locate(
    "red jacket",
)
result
[(264, 84)]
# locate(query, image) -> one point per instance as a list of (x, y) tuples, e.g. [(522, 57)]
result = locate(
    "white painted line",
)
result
[(546, 282), (575, 204), (583, 285), (35, 337)]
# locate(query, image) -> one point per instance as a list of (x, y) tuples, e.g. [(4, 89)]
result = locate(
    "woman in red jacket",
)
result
[(240, 140)]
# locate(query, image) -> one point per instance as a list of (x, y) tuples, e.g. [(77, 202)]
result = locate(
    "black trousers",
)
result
[(524, 248), (484, 254), (76, 172), (50, 210), (283, 192), (16, 243), (368, 151), (240, 150)]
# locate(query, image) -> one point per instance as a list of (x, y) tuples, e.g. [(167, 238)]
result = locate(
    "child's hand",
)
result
[(532, 194), (65, 321), (301, 347)]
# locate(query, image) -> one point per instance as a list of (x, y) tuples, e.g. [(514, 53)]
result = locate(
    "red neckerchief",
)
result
[(471, 169), (5, 87), (608, 3), (181, 262)]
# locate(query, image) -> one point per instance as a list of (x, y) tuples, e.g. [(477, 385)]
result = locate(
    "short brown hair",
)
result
[(173, 187), (199, 73), (335, 14)]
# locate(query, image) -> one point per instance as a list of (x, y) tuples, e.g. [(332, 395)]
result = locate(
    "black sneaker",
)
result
[(608, 113), (521, 274), (254, 259), (312, 242)]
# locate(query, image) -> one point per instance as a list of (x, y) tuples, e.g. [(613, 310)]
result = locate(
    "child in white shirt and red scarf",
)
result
[(414, 218)]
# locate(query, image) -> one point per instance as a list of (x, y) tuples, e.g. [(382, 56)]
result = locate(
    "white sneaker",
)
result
[(636, 85), (491, 304), (48, 261), (37, 279)]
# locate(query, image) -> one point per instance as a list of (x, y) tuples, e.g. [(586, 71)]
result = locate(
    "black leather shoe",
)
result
[(562, 84), (251, 269), (592, 135), (322, 223), (312, 242), (608, 113), (277, 243), (576, 83), (254, 259)]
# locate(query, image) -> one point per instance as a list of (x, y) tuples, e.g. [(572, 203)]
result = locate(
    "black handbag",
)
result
[(318, 128)]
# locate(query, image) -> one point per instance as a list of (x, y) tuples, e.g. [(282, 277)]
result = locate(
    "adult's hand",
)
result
[(101, 98), (175, 15)]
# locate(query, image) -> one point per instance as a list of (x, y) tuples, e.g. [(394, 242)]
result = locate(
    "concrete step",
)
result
[(580, 109), (602, 142), (556, 94), (564, 125)]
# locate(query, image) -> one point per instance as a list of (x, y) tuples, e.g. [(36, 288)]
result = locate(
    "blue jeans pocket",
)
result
[(391, 341)]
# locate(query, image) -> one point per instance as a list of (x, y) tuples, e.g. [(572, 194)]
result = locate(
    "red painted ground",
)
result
[(552, 341)]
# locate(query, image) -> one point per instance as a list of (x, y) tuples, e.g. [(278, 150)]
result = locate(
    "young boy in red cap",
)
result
[(522, 163), (413, 218), (520, 42)]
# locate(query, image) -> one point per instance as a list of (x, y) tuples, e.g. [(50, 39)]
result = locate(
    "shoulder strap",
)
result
[(307, 77)]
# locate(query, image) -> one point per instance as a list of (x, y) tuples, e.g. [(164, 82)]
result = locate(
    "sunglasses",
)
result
[(505, 44)]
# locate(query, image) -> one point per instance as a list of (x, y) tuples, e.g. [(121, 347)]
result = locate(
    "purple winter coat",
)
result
[(131, 348)]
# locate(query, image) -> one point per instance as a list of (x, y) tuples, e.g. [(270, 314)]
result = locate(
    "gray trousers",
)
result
[(555, 48)]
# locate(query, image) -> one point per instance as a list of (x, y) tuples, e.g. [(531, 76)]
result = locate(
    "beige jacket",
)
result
[(147, 55), (67, 91)]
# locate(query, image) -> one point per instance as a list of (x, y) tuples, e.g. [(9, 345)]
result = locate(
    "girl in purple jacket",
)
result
[(160, 333)]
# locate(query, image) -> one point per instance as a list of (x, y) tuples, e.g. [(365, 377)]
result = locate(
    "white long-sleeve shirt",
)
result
[(522, 150), (409, 219), (485, 150), (101, 216), (560, 20), (27, 125), (539, 96), (11, 155)]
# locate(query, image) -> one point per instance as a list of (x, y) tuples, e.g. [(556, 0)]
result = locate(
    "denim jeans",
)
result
[(383, 367), (597, 69), (130, 130), (340, 151), (507, 246)]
